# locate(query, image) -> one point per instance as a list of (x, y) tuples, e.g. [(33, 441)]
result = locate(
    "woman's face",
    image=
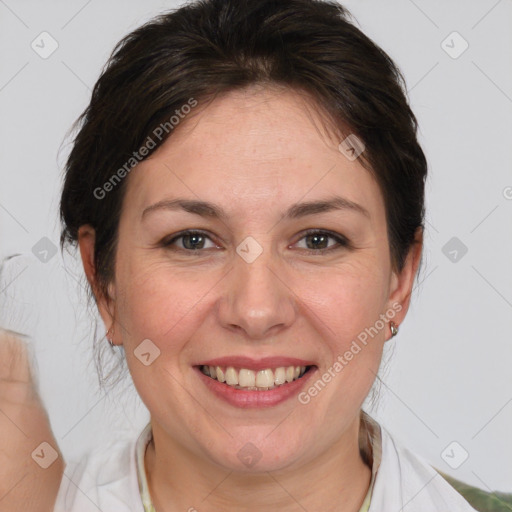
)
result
[(253, 284)]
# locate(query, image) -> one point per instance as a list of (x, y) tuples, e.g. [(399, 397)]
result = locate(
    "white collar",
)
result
[(406, 482), (401, 480)]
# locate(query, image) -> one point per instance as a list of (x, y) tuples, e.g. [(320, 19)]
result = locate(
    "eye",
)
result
[(195, 241), (191, 241), (318, 240)]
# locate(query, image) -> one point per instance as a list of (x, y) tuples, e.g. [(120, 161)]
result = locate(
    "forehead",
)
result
[(251, 146)]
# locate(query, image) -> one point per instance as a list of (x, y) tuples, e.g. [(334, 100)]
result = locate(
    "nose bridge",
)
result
[(256, 298)]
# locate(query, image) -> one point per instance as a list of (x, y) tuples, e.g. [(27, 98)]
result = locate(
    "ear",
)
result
[(402, 283), (86, 242)]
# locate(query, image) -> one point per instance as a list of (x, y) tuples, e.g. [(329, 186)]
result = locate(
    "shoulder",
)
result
[(406, 481), (104, 479)]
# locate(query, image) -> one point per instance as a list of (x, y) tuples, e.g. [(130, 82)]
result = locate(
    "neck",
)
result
[(336, 480)]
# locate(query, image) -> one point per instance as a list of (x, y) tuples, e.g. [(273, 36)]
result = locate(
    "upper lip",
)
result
[(256, 364)]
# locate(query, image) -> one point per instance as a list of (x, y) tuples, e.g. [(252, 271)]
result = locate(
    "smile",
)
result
[(250, 380), (246, 382)]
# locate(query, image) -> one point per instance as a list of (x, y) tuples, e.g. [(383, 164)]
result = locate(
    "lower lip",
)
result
[(255, 399)]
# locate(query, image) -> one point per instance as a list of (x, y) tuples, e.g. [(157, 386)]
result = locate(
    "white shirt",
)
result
[(106, 480)]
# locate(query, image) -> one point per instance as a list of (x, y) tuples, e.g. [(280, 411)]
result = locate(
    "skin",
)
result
[(24, 425), (254, 153)]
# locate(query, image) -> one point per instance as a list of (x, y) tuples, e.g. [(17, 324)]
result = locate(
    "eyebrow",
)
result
[(298, 210)]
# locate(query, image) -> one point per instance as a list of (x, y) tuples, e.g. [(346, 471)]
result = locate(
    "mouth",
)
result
[(247, 383), (255, 380)]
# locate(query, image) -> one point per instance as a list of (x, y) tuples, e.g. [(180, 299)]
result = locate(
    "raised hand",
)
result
[(31, 465)]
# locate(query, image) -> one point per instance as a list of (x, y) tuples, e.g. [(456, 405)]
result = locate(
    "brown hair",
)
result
[(210, 47)]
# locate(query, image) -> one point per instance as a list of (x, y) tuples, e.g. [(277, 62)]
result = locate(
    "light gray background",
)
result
[(448, 376)]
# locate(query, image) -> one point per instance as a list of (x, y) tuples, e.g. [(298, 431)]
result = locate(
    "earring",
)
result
[(394, 329), (110, 336)]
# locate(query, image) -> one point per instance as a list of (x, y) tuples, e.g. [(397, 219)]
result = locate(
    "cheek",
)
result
[(346, 299), (160, 302), (344, 306)]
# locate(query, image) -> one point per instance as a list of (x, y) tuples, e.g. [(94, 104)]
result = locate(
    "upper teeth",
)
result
[(251, 380)]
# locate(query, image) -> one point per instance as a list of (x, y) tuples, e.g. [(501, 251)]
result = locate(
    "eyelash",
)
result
[(341, 241)]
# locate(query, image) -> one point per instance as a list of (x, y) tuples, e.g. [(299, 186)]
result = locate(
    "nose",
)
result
[(257, 300)]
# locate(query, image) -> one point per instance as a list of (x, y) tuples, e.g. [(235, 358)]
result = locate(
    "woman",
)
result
[(253, 335)]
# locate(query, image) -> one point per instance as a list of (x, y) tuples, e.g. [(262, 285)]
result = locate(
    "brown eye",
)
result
[(190, 241), (320, 241)]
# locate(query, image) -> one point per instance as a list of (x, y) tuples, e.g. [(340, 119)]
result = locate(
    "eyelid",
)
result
[(171, 239), (341, 240)]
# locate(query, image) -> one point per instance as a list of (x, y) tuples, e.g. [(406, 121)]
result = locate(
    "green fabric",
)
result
[(479, 499)]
